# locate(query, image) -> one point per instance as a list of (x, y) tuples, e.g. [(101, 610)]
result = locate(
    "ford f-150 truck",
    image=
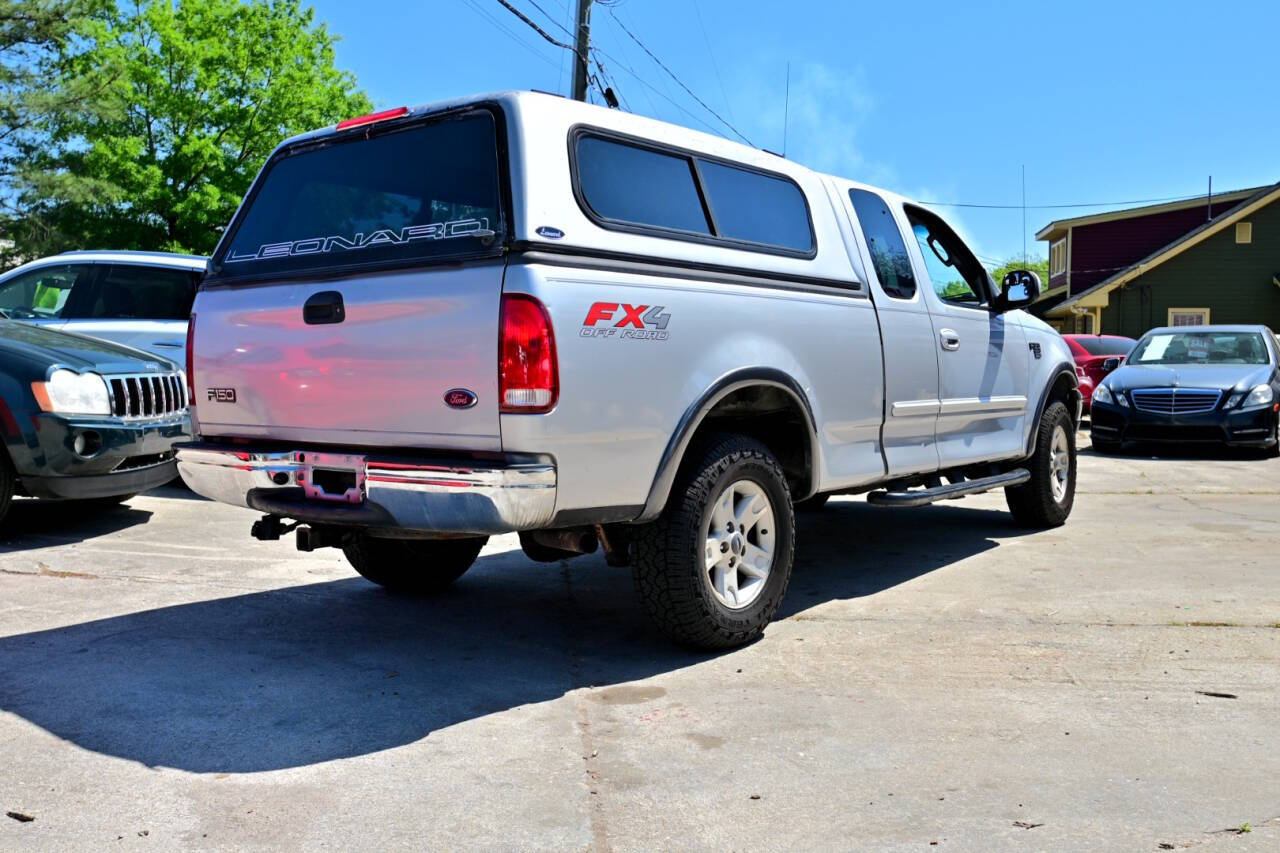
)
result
[(519, 313)]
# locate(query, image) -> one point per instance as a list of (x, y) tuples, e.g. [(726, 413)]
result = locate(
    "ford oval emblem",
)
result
[(550, 233), (460, 398)]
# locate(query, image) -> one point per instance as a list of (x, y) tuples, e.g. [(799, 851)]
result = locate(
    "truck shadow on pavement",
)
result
[(317, 672)]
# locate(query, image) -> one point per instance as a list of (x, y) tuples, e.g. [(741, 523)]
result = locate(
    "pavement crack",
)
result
[(44, 571), (590, 753)]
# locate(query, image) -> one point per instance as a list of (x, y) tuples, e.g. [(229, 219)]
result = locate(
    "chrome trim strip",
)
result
[(989, 407), (429, 497), (1175, 401), (915, 408)]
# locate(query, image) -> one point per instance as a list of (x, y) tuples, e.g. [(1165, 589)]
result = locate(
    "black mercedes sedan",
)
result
[(84, 419), (1193, 384)]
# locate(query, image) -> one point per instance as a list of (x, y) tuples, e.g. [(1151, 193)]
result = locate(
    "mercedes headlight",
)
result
[(71, 393), (1261, 395), (1102, 394)]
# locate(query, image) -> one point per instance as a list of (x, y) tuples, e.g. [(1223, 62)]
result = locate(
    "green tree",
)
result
[(37, 40), (200, 92)]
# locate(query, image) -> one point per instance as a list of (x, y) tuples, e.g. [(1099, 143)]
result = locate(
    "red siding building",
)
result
[(1087, 250)]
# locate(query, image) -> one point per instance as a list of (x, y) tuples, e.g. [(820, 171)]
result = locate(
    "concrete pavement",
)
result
[(936, 675)]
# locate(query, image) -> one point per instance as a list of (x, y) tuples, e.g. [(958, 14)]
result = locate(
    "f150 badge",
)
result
[(617, 319), (222, 395)]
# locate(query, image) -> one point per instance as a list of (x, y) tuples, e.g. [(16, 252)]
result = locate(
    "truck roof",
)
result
[(170, 259), (528, 102)]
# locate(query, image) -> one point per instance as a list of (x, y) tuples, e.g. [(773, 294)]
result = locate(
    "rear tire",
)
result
[(415, 566), (1045, 500), (704, 585)]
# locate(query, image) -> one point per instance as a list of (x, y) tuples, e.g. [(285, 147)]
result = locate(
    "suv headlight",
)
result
[(71, 393), (1102, 394), (1261, 395)]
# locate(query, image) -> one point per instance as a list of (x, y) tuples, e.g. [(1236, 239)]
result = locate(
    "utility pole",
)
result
[(581, 45)]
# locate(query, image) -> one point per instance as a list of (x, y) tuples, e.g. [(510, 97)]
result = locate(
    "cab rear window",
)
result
[(403, 195)]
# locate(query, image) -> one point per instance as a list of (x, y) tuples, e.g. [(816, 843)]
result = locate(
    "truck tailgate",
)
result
[(378, 376)]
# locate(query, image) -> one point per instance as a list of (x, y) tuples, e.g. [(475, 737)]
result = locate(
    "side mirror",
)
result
[(1110, 364), (1018, 290)]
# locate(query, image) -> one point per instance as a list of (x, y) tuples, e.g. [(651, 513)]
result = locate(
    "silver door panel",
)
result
[(622, 397), (910, 358)]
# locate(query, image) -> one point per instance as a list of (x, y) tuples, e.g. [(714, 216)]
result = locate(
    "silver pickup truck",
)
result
[(521, 313)]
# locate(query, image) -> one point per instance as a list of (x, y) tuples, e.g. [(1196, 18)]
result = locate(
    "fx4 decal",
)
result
[(634, 322)]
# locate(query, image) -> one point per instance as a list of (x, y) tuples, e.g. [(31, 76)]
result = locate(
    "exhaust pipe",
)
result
[(550, 546)]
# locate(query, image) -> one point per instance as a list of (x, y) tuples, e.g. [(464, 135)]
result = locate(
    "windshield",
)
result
[(416, 193), (1105, 346), (1200, 348)]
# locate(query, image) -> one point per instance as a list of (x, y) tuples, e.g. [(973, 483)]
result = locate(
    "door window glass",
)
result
[(41, 293), (954, 272), (884, 240), (128, 292)]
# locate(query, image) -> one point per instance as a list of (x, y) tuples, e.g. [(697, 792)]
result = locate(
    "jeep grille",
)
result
[(151, 395)]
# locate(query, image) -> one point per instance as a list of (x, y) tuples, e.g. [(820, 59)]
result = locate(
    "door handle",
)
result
[(950, 340), (323, 307)]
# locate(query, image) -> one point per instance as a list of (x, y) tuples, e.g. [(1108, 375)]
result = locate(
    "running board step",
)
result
[(950, 491)]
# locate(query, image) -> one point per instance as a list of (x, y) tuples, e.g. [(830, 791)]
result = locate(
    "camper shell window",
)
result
[(627, 184)]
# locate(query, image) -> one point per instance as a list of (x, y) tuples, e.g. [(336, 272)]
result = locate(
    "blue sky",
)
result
[(942, 101)]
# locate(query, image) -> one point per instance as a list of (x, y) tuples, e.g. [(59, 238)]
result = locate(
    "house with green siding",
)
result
[(1208, 260)]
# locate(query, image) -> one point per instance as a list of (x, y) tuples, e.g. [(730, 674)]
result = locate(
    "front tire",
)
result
[(414, 566), (1045, 500), (713, 569)]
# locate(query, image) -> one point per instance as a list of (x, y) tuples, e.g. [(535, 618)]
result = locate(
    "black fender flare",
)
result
[(1064, 368), (693, 417)]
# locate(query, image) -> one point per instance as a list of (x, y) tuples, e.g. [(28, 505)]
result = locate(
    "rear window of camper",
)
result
[(409, 194)]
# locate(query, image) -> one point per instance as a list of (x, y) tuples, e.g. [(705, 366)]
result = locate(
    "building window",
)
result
[(1058, 257), (1188, 316), (1244, 232)]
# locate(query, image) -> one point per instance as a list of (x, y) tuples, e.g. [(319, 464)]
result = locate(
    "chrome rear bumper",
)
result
[(430, 497)]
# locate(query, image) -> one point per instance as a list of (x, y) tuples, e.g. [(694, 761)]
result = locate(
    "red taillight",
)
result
[(372, 117), (191, 376), (528, 378)]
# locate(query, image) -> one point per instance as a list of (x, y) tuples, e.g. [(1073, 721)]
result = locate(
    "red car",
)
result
[(1092, 353)]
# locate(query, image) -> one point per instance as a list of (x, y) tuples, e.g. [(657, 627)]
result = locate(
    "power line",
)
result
[(550, 38), (539, 30), (1063, 206), (566, 30), (652, 88), (471, 4), (714, 65), (673, 76), (653, 108)]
